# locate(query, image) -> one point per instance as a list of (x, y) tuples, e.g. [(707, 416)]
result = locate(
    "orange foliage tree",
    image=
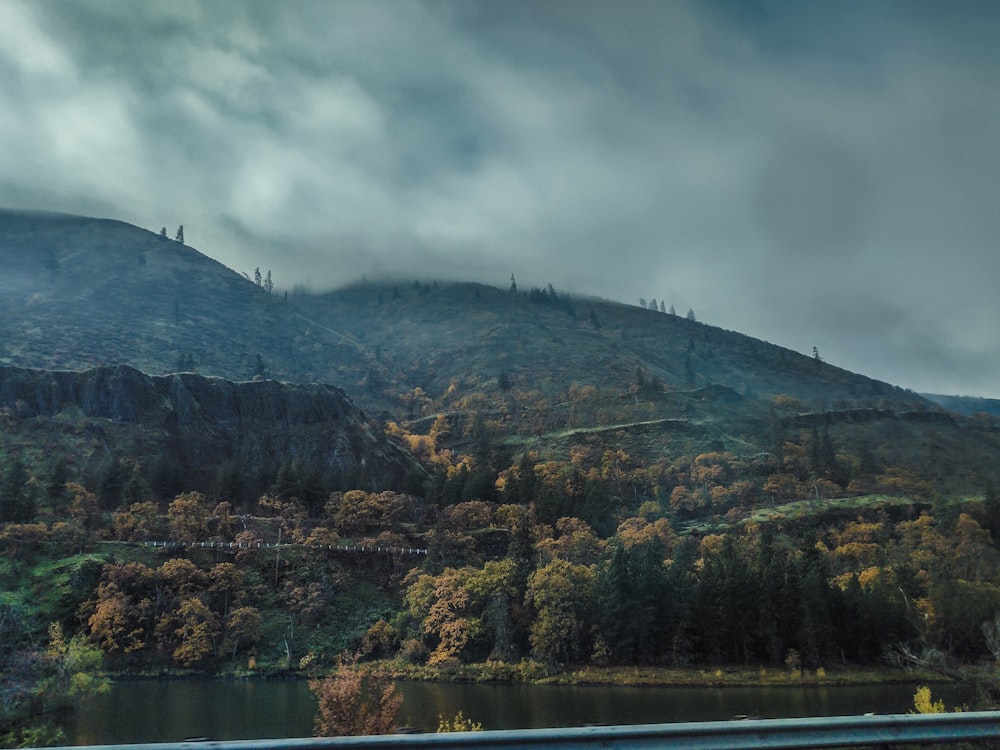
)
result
[(349, 705), (188, 518)]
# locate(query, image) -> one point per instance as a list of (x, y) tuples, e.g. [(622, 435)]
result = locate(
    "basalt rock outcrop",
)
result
[(200, 422)]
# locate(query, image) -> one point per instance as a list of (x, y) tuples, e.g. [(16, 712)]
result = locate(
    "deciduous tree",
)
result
[(347, 706), (242, 629), (187, 517), (560, 593), (196, 631)]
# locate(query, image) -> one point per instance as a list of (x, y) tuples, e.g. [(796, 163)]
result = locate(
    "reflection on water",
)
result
[(171, 710)]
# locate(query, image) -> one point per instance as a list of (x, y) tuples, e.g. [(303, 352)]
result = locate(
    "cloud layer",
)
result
[(814, 174)]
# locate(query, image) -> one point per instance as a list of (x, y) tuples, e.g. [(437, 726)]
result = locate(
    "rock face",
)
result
[(204, 422)]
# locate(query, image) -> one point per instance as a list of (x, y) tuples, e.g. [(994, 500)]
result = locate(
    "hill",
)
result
[(80, 292), (86, 292), (582, 481), (435, 334), (489, 372)]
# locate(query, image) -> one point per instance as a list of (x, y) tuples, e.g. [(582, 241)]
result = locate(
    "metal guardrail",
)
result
[(835, 731)]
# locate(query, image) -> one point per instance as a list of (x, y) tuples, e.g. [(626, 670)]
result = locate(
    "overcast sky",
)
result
[(810, 173)]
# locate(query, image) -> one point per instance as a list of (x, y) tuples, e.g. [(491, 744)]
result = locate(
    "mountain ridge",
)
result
[(338, 336), (465, 368)]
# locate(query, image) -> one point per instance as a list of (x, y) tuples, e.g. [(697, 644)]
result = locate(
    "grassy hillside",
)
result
[(433, 335), (82, 292), (90, 292)]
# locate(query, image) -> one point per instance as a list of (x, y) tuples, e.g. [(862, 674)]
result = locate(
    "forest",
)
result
[(594, 558)]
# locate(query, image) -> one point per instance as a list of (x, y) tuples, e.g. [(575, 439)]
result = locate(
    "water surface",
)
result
[(172, 710)]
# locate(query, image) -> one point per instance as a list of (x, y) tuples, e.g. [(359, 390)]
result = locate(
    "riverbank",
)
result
[(530, 672), (534, 673)]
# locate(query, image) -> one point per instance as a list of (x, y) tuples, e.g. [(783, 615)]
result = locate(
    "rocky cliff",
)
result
[(200, 423)]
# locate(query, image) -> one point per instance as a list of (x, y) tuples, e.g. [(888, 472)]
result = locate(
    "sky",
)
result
[(811, 173)]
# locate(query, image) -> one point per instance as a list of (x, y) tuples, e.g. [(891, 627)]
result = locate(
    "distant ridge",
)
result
[(968, 405)]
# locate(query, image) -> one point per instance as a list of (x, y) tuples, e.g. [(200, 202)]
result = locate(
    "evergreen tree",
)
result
[(631, 590), (166, 476), (727, 605), (816, 607), (180, 234), (513, 285), (268, 283), (521, 552), (17, 499), (56, 486), (135, 489), (227, 485), (520, 486), (991, 506), (163, 233), (112, 482)]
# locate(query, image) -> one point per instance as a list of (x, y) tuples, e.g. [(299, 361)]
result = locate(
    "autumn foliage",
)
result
[(587, 549), (350, 704)]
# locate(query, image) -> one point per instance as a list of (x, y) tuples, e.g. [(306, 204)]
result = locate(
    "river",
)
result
[(171, 710)]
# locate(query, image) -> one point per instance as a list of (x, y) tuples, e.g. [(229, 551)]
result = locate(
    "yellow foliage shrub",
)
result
[(923, 703)]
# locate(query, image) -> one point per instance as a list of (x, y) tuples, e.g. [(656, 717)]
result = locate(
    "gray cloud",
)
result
[(815, 174)]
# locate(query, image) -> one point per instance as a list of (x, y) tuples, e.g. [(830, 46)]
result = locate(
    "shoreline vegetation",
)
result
[(646, 676), (529, 672)]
